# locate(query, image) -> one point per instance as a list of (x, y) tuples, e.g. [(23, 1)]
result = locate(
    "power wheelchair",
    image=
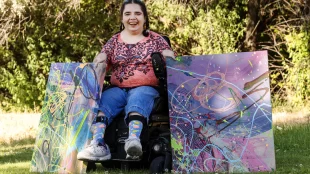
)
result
[(155, 137)]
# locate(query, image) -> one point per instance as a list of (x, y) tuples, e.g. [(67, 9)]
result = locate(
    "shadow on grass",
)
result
[(16, 151), (12, 142), (291, 146)]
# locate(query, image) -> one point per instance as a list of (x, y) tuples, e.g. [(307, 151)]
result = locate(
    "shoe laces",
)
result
[(96, 143), (92, 143)]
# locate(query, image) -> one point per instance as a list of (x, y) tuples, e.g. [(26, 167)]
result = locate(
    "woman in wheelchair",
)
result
[(128, 54)]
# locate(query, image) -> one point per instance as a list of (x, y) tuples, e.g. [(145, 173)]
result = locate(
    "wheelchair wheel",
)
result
[(157, 165)]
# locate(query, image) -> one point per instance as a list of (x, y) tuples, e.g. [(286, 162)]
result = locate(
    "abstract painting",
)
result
[(72, 92), (220, 113)]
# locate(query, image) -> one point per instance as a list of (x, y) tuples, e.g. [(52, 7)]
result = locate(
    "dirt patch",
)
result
[(291, 118)]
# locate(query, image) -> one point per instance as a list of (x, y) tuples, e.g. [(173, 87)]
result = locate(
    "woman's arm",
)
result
[(101, 58), (168, 53)]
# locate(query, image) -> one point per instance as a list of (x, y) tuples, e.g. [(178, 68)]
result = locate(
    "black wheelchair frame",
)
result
[(155, 137)]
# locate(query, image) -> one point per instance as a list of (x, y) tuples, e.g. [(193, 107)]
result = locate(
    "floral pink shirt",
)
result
[(131, 63)]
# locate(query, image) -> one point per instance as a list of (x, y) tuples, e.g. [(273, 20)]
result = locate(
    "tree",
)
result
[(35, 33)]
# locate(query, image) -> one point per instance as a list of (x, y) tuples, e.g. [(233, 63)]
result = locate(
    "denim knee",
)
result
[(112, 102), (141, 100)]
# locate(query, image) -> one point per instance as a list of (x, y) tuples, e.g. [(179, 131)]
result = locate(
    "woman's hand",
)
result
[(100, 58), (168, 53)]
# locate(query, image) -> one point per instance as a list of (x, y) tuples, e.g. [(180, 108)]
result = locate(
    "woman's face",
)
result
[(133, 18)]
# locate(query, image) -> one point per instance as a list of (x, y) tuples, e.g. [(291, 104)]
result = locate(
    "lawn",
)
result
[(291, 146)]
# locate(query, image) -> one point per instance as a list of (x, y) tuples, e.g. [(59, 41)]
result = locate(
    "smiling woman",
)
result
[(133, 20), (134, 84), (134, 12)]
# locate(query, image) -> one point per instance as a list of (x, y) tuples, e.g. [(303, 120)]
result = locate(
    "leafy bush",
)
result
[(35, 34), (51, 31), (199, 30), (298, 76)]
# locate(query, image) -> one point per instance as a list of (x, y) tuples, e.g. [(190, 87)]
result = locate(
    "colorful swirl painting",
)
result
[(220, 113), (73, 90)]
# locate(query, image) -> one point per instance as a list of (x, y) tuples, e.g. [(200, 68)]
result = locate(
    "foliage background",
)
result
[(35, 33)]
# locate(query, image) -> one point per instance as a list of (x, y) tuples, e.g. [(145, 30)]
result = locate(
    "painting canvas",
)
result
[(220, 113), (72, 92)]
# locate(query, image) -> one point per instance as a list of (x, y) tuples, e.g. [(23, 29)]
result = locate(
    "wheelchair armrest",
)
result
[(159, 65)]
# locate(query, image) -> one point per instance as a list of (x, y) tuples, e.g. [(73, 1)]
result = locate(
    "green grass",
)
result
[(15, 157), (291, 146)]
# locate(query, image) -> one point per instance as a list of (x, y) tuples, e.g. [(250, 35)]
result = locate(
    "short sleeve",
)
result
[(163, 45)]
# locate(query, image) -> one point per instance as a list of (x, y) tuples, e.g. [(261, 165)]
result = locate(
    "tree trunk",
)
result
[(251, 31)]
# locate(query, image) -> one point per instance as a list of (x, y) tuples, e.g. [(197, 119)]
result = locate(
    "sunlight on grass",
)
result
[(18, 126), (291, 148), (18, 167)]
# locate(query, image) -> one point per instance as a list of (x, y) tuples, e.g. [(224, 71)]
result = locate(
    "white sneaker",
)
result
[(94, 152), (133, 148)]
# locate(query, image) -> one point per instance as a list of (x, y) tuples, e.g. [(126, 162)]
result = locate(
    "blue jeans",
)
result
[(139, 99)]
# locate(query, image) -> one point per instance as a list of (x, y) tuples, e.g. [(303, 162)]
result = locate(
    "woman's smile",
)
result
[(133, 18)]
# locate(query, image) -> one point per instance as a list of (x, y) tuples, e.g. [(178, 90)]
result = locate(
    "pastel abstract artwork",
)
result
[(220, 113), (73, 90)]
